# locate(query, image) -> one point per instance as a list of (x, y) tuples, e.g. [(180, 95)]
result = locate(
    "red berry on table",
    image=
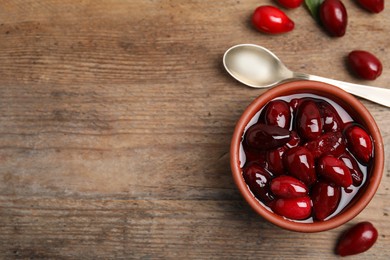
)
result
[(278, 113), (272, 20), (359, 143), (358, 239), (296, 208), (299, 163), (333, 17), (365, 64), (326, 198), (267, 137), (290, 3), (288, 187), (258, 180), (334, 170), (375, 6), (309, 124)]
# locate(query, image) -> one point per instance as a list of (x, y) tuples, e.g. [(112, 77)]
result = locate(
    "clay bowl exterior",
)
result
[(356, 109)]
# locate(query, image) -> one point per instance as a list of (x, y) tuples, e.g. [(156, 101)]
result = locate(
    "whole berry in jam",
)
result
[(266, 137), (299, 163), (326, 198), (254, 155), (258, 180), (308, 120), (356, 173), (274, 160), (296, 208), (288, 187), (331, 120), (359, 143), (278, 113), (335, 171)]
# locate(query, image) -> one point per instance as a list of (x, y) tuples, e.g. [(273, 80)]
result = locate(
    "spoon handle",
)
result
[(374, 94)]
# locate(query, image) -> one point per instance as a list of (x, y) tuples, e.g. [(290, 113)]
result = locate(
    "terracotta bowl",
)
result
[(356, 109)]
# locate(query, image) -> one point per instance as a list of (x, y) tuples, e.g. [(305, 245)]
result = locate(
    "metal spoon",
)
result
[(257, 67)]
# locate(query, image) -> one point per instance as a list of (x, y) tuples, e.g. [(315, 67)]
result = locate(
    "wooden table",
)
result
[(115, 125)]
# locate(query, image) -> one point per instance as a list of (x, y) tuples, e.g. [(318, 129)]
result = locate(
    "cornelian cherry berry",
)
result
[(358, 239), (296, 208), (266, 137), (288, 187), (356, 173), (274, 160), (299, 163), (333, 16), (374, 6), (278, 113), (295, 103), (272, 20), (359, 143), (326, 198), (309, 123), (331, 120), (254, 155), (334, 170), (365, 64), (258, 180), (290, 3)]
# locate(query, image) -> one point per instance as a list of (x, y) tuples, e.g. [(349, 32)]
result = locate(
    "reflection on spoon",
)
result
[(257, 67)]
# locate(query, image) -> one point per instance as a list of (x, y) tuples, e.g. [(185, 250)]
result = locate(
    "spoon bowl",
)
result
[(257, 67)]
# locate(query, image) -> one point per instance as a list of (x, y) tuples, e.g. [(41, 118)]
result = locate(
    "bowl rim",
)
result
[(339, 96)]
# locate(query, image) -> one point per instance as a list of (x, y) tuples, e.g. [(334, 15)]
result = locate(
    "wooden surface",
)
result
[(115, 125)]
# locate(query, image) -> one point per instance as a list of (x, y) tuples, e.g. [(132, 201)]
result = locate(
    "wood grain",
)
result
[(115, 125)]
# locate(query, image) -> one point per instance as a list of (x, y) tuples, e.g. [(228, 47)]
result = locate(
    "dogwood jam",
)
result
[(304, 157)]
